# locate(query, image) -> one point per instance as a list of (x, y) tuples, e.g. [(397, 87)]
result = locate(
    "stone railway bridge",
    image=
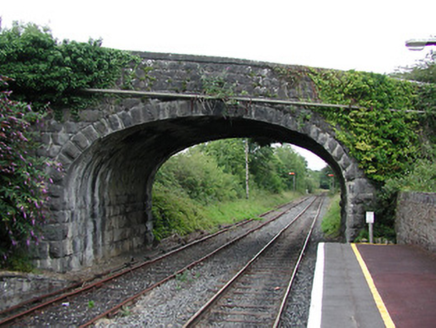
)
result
[(101, 204)]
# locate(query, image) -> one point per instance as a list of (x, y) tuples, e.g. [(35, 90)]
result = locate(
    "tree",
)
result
[(198, 175), (423, 71), (328, 179), (263, 167), (230, 155), (289, 161)]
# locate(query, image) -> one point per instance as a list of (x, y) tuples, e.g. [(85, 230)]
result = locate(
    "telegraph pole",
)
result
[(247, 174)]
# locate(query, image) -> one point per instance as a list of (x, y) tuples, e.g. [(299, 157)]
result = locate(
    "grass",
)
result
[(176, 214), (235, 211), (331, 224)]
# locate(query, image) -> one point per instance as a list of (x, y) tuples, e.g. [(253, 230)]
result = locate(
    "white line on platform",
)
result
[(315, 310)]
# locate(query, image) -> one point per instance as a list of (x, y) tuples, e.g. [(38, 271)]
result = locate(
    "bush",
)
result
[(199, 175), (23, 182), (175, 213), (46, 72)]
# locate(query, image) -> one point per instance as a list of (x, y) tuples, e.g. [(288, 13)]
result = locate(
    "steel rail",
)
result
[(69, 291), (98, 283), (197, 316), (131, 299), (284, 302)]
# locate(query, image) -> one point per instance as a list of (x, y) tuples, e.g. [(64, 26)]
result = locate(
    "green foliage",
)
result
[(259, 202), (422, 178), (331, 223), (217, 86), (263, 167), (328, 180), (424, 71), (384, 142), (23, 181), (203, 187), (46, 72), (269, 166), (200, 177), (175, 213), (125, 311), (18, 260), (229, 155), (289, 161)]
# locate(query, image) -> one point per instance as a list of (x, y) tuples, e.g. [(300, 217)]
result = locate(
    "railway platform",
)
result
[(367, 285)]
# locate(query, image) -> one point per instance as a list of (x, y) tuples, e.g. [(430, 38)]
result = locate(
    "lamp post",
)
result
[(419, 44), (293, 176)]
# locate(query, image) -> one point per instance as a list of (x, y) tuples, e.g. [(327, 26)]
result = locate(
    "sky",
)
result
[(340, 34)]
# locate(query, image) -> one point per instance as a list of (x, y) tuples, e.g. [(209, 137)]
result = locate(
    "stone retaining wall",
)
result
[(16, 287), (416, 219)]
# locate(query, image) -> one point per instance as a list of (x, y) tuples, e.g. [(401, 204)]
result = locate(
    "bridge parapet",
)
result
[(186, 74)]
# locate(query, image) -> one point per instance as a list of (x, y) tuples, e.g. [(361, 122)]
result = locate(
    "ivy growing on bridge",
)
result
[(382, 135)]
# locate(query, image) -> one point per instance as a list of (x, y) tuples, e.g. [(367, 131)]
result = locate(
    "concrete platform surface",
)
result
[(362, 285)]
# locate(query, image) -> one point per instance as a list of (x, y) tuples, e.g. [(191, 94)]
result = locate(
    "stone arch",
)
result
[(103, 203)]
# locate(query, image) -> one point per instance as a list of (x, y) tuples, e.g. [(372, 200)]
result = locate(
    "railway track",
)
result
[(256, 296), (83, 304)]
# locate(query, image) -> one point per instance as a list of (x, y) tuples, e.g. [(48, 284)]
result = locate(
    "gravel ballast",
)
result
[(171, 304)]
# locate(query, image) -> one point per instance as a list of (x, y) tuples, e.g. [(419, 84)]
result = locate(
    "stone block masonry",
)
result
[(416, 219), (16, 287), (101, 204)]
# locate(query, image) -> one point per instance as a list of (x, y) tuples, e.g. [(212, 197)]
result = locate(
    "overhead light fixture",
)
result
[(419, 44)]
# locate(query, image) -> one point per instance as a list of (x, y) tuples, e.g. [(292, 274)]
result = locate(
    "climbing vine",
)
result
[(219, 88), (382, 135)]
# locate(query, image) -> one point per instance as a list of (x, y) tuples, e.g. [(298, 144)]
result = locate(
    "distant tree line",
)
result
[(214, 174)]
